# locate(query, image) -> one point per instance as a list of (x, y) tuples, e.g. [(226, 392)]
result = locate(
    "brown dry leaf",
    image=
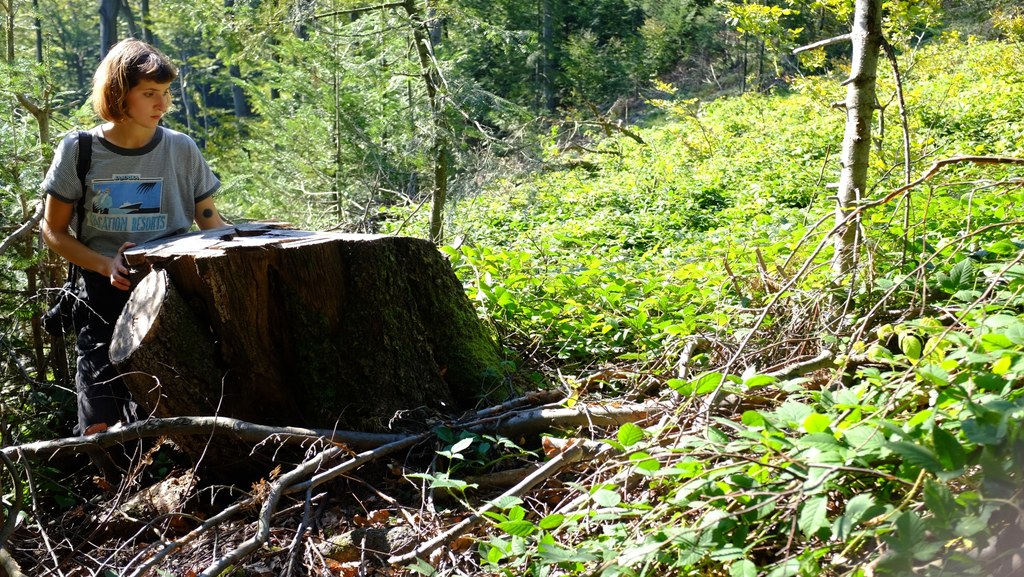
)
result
[(380, 516), (462, 543), (550, 448), (103, 483), (180, 523), (350, 569)]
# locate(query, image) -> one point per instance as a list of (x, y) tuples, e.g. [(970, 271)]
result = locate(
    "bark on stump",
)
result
[(286, 327)]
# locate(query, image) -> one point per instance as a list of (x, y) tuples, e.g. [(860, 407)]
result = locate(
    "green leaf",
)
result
[(753, 419), (909, 534), (757, 381), (462, 445), (702, 385), (1003, 248), (816, 423), (792, 413), (820, 441), (552, 521), (911, 346), (856, 509), (962, 276), (645, 463), (917, 455), (507, 502), (950, 452), (743, 568), (813, 515), (939, 501), (788, 568), (607, 498), (516, 513), (518, 528), (630, 434), (422, 567)]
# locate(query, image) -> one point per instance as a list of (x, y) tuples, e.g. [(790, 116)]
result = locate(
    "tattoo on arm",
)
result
[(207, 213)]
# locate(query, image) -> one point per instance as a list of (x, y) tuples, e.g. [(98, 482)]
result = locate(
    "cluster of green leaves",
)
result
[(911, 461), (910, 466)]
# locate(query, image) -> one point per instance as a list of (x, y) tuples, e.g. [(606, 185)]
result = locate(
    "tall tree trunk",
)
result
[(547, 65), (147, 23), (39, 32), (108, 25), (442, 156), (860, 104), (41, 113), (760, 66), (237, 94), (743, 75), (241, 106), (129, 16), (9, 31)]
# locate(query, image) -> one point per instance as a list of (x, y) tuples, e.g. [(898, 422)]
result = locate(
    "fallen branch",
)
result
[(824, 359), (539, 420), (520, 423), (200, 426), (9, 565)]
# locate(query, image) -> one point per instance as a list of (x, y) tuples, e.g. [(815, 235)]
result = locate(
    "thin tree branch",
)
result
[(538, 420), (200, 426), (357, 11), (932, 170), (25, 228), (823, 43), (822, 360)]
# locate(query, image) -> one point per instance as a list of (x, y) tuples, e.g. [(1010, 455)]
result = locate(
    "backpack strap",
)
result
[(82, 167), (84, 161)]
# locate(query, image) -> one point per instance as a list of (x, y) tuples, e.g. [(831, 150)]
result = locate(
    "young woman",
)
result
[(144, 182)]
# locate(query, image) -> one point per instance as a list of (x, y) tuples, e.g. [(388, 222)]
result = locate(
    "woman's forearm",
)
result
[(77, 253)]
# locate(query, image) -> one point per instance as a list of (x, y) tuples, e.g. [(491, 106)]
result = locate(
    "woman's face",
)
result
[(147, 102)]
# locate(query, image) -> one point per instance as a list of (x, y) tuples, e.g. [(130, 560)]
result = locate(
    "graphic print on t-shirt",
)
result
[(127, 203)]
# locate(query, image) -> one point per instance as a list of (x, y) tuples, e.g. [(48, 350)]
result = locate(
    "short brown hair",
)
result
[(129, 62)]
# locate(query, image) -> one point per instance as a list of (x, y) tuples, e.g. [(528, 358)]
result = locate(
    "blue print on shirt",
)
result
[(127, 204)]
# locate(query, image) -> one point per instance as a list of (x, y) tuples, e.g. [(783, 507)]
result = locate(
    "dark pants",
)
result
[(102, 394)]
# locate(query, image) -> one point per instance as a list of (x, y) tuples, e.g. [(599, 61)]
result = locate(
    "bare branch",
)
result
[(823, 43), (824, 359), (537, 420), (934, 169), (25, 228), (200, 426), (360, 10)]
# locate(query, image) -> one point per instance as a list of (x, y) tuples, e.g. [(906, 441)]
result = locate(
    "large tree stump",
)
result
[(286, 327)]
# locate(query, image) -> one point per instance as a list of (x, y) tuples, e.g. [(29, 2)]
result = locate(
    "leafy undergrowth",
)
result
[(805, 425), (695, 267)]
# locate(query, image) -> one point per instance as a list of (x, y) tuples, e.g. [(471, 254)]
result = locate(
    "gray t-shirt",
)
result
[(133, 195)]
